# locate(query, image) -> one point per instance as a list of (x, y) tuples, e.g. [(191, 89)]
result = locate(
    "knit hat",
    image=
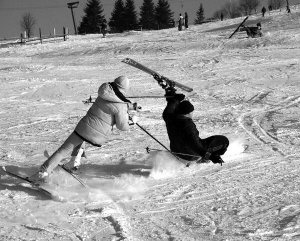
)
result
[(122, 82), (185, 107)]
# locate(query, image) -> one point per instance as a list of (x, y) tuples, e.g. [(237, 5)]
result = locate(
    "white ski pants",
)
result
[(72, 143)]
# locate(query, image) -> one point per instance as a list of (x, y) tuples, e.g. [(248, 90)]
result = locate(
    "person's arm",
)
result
[(121, 118), (172, 105), (173, 100)]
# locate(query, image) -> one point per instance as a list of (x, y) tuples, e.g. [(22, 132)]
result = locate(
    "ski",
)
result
[(198, 161), (167, 81), (46, 154), (238, 27), (73, 175), (25, 179)]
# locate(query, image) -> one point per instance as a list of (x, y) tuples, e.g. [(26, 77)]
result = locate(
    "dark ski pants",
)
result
[(216, 144)]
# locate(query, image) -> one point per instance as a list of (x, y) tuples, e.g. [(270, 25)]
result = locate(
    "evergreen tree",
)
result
[(147, 15), (93, 17), (130, 16), (164, 15), (116, 22), (200, 15)]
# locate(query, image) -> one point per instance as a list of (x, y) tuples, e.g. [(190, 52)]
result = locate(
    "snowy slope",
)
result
[(246, 89)]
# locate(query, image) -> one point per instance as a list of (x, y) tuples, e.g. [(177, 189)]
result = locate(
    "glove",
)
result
[(160, 80), (134, 119), (170, 91), (216, 159), (133, 106), (179, 97)]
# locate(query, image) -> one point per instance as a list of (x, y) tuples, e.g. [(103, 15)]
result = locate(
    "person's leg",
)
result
[(72, 142), (216, 144), (76, 155), (248, 31)]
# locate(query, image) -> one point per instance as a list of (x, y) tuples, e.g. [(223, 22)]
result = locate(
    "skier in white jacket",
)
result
[(110, 108)]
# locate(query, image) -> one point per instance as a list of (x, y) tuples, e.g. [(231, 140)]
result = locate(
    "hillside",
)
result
[(246, 89)]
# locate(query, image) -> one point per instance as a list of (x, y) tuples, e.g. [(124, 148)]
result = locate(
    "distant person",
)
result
[(184, 136), (270, 8), (109, 109), (186, 20), (263, 11), (180, 22), (253, 32), (222, 16), (104, 28)]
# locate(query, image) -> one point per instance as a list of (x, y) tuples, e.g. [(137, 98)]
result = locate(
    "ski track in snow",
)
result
[(246, 89)]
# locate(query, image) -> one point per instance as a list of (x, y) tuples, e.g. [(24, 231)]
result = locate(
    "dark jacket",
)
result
[(183, 134), (252, 31)]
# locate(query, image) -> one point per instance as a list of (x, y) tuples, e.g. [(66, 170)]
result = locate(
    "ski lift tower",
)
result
[(71, 6)]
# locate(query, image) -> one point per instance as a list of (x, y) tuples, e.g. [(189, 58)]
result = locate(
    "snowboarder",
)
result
[(180, 22), (104, 28), (183, 133), (252, 32), (110, 108)]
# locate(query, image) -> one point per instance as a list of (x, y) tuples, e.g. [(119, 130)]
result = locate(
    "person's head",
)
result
[(185, 108), (122, 82)]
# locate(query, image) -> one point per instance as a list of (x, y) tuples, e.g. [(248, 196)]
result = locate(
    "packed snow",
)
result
[(244, 88)]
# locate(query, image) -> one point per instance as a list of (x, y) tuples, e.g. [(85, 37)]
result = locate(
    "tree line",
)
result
[(124, 16), (152, 16), (239, 8)]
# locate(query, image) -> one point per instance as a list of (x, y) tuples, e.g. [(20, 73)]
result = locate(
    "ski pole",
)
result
[(148, 149), (186, 164), (91, 99)]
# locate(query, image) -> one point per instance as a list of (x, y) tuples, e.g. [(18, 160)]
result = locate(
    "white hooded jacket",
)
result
[(107, 111)]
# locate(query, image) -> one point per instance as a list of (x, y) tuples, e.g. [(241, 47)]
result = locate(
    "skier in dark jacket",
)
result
[(186, 20), (104, 28), (252, 32), (184, 136), (263, 11)]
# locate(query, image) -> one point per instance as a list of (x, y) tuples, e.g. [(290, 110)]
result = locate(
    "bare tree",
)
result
[(231, 10), (27, 23), (217, 14), (247, 6), (276, 4)]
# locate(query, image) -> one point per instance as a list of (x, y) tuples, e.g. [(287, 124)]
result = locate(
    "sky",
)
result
[(52, 14)]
